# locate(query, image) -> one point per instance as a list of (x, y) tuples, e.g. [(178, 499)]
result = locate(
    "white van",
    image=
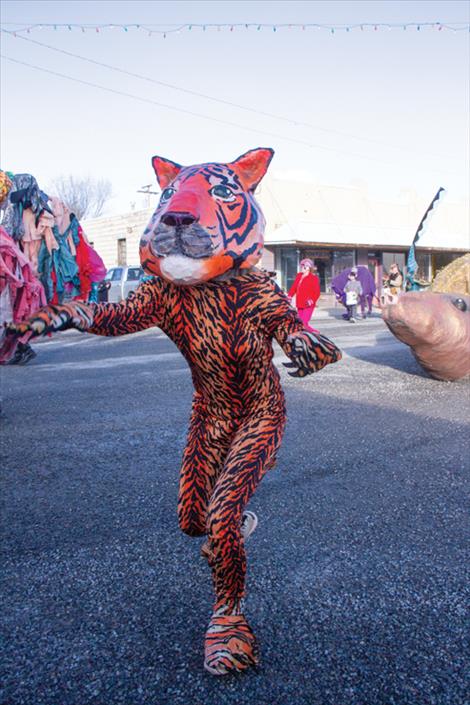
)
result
[(122, 281)]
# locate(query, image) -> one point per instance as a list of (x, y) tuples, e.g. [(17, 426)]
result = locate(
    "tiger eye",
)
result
[(167, 194), (222, 191)]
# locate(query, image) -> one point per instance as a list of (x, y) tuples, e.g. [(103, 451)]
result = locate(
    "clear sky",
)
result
[(388, 107)]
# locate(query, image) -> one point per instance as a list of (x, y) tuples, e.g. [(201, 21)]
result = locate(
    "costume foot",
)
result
[(23, 354), (27, 355), (248, 525), (230, 646)]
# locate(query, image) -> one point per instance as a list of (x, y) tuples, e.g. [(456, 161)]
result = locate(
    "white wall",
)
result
[(315, 213)]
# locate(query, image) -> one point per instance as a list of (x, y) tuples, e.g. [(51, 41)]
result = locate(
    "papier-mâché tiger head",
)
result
[(207, 220)]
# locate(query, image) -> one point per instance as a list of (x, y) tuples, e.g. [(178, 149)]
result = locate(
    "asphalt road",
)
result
[(358, 585)]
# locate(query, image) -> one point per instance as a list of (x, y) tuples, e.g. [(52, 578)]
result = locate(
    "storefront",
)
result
[(330, 261)]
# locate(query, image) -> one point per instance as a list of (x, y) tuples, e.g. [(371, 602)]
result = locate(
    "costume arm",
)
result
[(139, 311), (309, 352), (142, 309)]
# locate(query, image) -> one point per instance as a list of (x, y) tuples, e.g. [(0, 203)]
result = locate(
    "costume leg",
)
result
[(230, 644), (203, 460), (362, 301)]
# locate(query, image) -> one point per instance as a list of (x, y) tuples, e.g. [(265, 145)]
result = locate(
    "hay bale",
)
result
[(453, 279)]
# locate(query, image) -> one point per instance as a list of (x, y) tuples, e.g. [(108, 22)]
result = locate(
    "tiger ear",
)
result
[(252, 166), (165, 170)]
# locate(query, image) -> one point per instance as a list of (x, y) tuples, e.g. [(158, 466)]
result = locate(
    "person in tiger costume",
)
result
[(223, 313)]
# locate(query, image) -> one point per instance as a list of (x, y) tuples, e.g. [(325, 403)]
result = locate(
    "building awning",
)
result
[(301, 233)]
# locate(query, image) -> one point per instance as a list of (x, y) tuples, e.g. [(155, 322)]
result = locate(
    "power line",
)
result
[(290, 121), (201, 115)]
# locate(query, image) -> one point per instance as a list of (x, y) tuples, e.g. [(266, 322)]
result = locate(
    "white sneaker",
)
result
[(249, 524)]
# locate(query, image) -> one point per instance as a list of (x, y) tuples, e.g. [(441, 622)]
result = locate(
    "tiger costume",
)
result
[(223, 314)]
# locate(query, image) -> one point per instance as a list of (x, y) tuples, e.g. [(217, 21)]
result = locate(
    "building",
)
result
[(336, 226)]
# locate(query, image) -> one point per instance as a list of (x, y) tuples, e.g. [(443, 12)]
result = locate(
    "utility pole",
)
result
[(146, 190)]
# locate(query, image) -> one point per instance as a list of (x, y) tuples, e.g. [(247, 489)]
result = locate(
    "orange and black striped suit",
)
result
[(224, 329)]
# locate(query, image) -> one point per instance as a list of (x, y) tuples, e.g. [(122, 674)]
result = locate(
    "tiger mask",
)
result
[(207, 220)]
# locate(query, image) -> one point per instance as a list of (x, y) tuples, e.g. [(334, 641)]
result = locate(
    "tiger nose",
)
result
[(178, 219)]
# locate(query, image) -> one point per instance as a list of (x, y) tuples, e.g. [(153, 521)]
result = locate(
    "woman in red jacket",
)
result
[(306, 289)]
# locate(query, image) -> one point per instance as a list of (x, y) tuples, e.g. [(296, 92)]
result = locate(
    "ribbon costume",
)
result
[(223, 313)]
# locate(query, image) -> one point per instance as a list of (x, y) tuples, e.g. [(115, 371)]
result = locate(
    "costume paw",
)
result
[(310, 352), (230, 645), (53, 318)]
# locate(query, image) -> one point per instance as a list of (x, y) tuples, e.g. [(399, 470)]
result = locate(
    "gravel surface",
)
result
[(358, 585)]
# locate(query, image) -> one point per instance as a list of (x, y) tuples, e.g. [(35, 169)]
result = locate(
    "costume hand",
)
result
[(53, 318), (309, 302), (310, 352)]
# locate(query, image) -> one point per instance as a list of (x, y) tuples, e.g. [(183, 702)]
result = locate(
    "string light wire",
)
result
[(257, 26)]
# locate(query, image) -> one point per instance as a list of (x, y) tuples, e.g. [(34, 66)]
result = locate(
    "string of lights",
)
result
[(164, 30)]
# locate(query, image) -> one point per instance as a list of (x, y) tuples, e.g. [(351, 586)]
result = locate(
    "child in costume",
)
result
[(353, 291), (367, 282), (223, 313)]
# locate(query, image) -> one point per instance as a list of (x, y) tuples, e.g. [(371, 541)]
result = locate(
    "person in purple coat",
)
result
[(368, 288)]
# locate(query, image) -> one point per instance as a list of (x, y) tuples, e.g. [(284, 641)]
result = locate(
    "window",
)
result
[(423, 260), (134, 274), (122, 251), (389, 258), (109, 275), (289, 261), (341, 260), (322, 260), (117, 274)]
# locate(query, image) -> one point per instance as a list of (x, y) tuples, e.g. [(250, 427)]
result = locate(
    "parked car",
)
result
[(122, 281)]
